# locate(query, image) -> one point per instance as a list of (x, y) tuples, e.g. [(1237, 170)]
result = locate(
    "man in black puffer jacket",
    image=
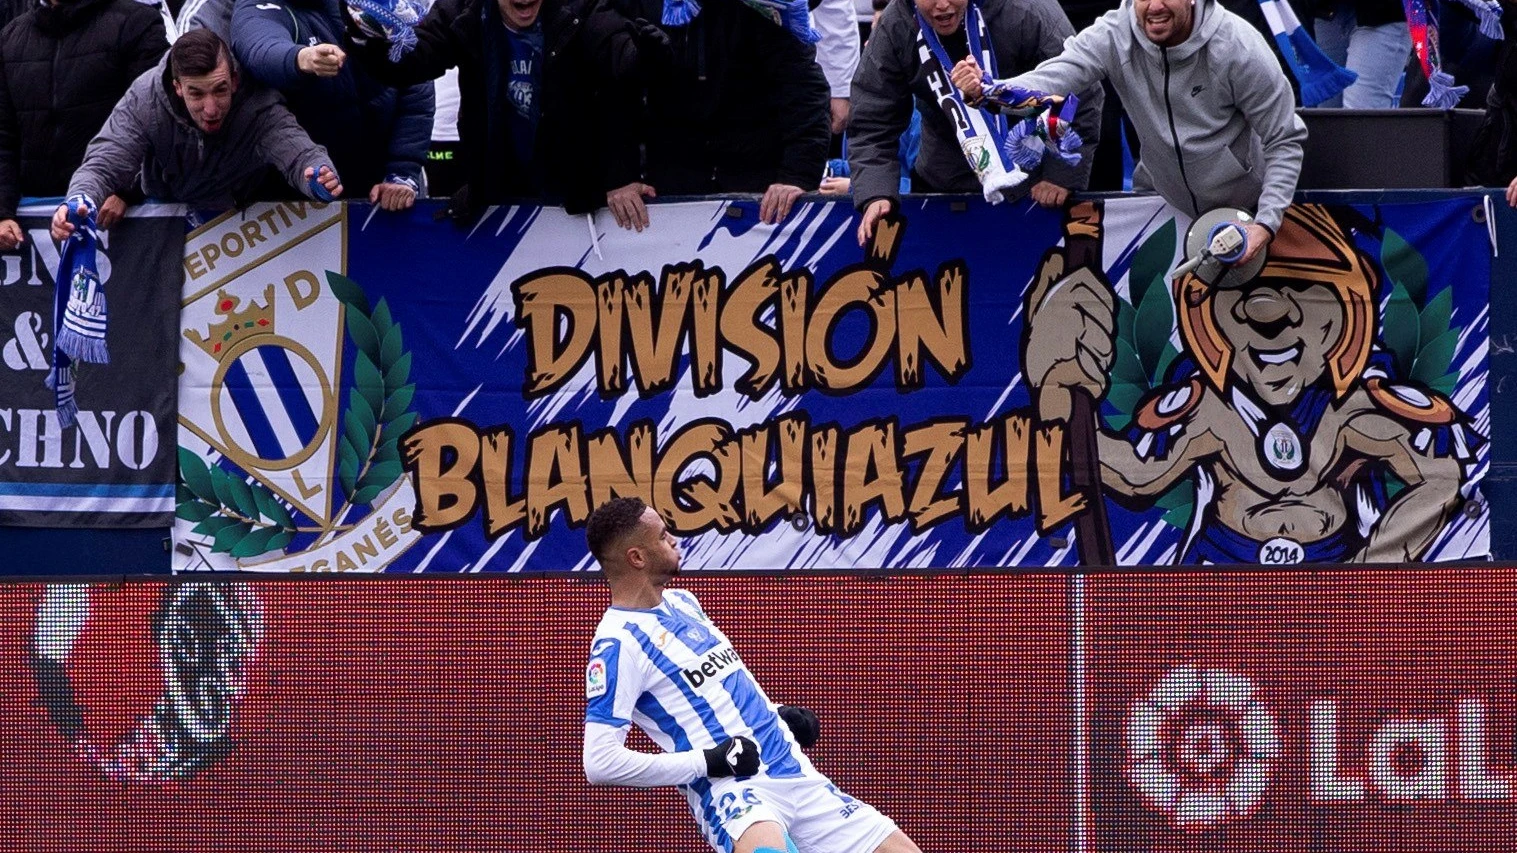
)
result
[(735, 104), (63, 66), (528, 76)]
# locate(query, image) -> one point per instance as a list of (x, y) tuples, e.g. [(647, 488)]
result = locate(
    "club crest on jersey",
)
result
[(713, 665), (595, 679)]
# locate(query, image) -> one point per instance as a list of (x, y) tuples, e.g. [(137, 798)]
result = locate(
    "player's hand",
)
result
[(871, 216), (112, 210), (735, 756), (322, 60), (969, 80), (11, 234), (1048, 195), (776, 203), (326, 178), (1511, 193), (1071, 329), (392, 196), (1258, 238), (626, 204), (803, 724)]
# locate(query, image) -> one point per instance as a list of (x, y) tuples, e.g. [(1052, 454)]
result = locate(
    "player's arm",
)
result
[(609, 762)]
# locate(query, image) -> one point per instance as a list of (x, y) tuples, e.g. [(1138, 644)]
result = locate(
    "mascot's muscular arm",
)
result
[(1431, 496)]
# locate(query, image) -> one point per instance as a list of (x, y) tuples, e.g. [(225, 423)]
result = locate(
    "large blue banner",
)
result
[(981, 386)]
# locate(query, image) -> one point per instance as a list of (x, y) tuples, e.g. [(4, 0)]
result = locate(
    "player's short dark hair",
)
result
[(198, 53), (610, 522)]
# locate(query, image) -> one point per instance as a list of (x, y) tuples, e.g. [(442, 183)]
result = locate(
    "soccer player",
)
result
[(659, 662)]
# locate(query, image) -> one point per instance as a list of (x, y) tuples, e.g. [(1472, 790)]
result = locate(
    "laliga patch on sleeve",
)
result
[(595, 678)]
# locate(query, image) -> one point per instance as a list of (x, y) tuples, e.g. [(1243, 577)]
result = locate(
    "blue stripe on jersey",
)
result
[(649, 705), (765, 724), (688, 598), (671, 671)]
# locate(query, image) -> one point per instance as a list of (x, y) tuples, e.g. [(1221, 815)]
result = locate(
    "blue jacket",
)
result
[(370, 129)]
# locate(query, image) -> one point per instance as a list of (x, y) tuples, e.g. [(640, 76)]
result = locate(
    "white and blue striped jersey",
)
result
[(676, 676)]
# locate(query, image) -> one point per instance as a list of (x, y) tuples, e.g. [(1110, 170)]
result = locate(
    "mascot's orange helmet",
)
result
[(1311, 248)]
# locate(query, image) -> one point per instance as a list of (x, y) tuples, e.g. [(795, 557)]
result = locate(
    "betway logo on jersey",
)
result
[(715, 663)]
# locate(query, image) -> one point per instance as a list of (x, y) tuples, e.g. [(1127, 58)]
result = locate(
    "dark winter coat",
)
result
[(371, 130), (567, 166), (62, 69), (734, 104)]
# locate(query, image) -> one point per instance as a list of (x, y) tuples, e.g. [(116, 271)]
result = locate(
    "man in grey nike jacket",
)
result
[(186, 131), (1210, 103)]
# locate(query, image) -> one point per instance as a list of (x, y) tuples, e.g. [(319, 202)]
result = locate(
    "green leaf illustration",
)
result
[(403, 423), (213, 525), (193, 510), (227, 537), (270, 508), (369, 385), (1150, 263), (1124, 396), (1156, 320), (392, 346), (398, 374), (361, 330), (366, 494), (1400, 329), (1127, 367), (1434, 358), (399, 402), (380, 474), (194, 474), (347, 464), (255, 542), (348, 291), (1405, 265)]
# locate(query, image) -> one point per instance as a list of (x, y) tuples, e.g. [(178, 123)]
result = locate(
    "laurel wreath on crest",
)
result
[(1417, 332), (244, 518), (379, 407)]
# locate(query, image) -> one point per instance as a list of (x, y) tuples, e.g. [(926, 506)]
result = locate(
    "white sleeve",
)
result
[(838, 51), (609, 762)]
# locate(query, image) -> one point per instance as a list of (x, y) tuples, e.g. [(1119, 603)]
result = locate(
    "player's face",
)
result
[(660, 549), (1281, 336), (208, 97), (1166, 22), (944, 16)]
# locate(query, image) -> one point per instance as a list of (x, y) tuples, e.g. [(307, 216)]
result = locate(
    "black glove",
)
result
[(654, 50), (803, 724), (735, 756)]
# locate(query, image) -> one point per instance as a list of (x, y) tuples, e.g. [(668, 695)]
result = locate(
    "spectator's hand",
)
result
[(735, 756), (392, 196), (839, 115), (872, 213), (654, 50), (1511, 193), (969, 80), (1049, 195), (776, 203), (112, 210), (802, 723), (61, 228), (1258, 238), (11, 234), (327, 178), (627, 205), (322, 60), (835, 186)]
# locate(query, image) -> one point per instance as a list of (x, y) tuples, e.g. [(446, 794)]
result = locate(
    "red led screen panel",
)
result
[(1341, 711), (446, 715)]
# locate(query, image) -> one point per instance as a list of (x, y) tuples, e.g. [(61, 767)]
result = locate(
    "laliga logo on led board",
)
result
[(1202, 749)]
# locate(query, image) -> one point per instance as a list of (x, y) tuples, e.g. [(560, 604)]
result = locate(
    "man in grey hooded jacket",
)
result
[(187, 132), (1212, 108)]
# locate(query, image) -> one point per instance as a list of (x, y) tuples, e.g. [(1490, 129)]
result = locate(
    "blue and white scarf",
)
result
[(390, 21), (982, 134), (1320, 78), (79, 315)]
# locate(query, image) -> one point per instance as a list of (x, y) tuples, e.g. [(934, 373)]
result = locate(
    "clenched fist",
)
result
[(1071, 331)]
